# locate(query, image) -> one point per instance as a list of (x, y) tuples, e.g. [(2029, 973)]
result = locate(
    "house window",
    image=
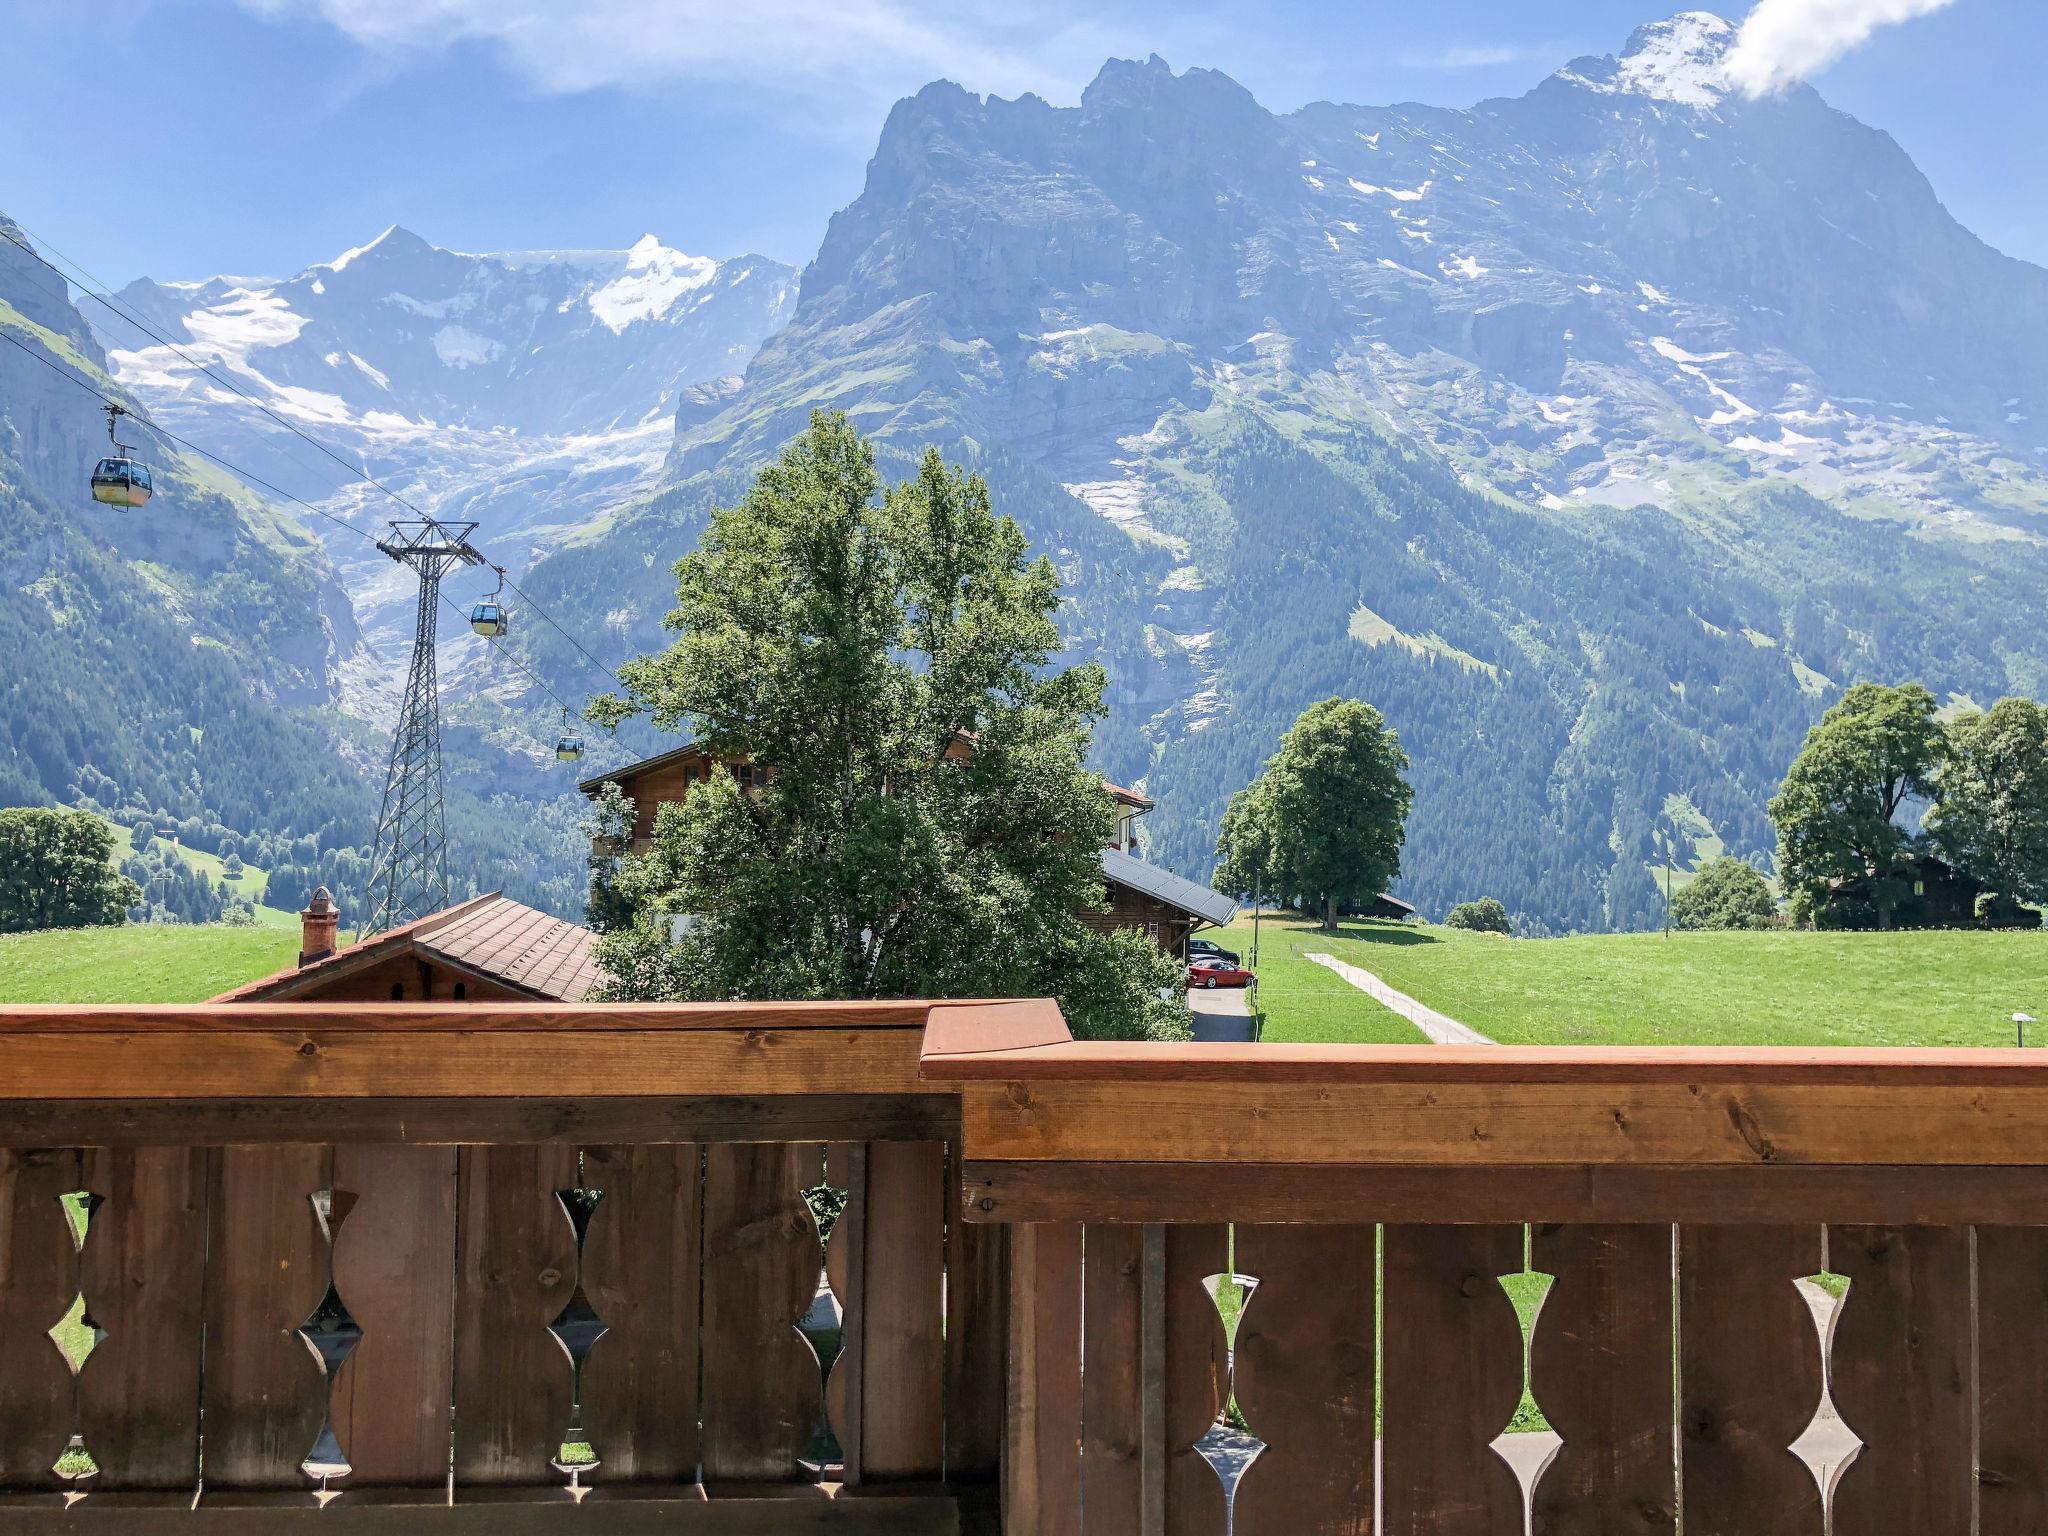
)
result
[(461, 991), (398, 991)]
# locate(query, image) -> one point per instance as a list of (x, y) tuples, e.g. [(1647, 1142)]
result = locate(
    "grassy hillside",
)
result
[(139, 963), (1923, 988)]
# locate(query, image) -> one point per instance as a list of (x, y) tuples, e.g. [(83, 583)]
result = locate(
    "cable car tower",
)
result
[(409, 867)]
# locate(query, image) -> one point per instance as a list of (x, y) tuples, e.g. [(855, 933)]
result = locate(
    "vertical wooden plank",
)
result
[(1749, 1379), (1452, 1377), (515, 1271), (1197, 1378), (761, 1261), (902, 1325), (1901, 1369), (847, 1273), (145, 1280), (2012, 1380), (1112, 1378), (38, 1282), (976, 1343), (394, 1266), (1041, 1472), (1152, 1383), (1600, 1368), (263, 1392), (640, 1271), (1306, 1361)]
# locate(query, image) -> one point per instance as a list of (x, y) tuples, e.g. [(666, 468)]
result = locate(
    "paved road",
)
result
[(1440, 1027), (1221, 1013)]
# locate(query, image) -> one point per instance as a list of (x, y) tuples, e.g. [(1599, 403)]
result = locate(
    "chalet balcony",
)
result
[(537, 1267)]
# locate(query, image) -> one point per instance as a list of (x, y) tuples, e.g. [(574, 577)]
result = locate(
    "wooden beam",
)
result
[(344, 1062), (2000, 1117), (478, 1121), (1254, 1192), (455, 1018), (769, 1512), (1020, 1060), (983, 1030)]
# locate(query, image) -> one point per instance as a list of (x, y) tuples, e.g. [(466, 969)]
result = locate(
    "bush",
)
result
[(1726, 894), (1486, 915)]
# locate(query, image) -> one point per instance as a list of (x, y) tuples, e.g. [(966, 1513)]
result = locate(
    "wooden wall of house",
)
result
[(1168, 927), (418, 980)]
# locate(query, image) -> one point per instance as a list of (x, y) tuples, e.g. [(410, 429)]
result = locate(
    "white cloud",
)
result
[(850, 47), (1460, 56), (1784, 41)]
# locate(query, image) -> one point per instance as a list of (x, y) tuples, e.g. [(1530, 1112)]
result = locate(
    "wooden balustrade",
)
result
[(1370, 1200), (400, 1268), (496, 1267)]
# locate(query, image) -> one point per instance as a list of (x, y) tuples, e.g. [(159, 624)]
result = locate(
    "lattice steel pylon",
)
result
[(409, 865)]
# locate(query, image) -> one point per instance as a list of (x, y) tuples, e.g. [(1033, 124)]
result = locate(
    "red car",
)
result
[(1214, 971)]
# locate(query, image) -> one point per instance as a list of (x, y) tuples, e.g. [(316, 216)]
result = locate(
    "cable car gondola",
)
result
[(488, 617), (568, 746), (117, 480)]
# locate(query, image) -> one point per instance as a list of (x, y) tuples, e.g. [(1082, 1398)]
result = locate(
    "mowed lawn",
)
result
[(1304, 1001), (139, 962), (1779, 988)]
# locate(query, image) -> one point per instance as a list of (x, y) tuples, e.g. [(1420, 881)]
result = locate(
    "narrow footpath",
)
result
[(1440, 1027)]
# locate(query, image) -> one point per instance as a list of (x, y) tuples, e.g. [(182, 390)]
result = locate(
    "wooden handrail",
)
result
[(461, 1018)]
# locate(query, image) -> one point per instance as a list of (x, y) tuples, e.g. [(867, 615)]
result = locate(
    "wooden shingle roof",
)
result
[(493, 936)]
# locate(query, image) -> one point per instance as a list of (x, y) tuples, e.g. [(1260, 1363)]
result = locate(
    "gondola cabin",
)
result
[(121, 483), (568, 749), (489, 620)]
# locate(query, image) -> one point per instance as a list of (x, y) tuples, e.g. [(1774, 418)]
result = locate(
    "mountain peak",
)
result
[(393, 241), (1681, 59)]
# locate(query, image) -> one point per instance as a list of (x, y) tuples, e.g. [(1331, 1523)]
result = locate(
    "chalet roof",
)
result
[(597, 781), (1164, 885), (491, 936)]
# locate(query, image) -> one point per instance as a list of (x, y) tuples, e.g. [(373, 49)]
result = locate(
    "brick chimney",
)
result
[(320, 922)]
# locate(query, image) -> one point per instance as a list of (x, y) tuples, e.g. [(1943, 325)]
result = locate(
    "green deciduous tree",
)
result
[(1324, 821), (1992, 816), (1486, 915), (926, 826), (1244, 843), (1726, 893), (1837, 814), (56, 871)]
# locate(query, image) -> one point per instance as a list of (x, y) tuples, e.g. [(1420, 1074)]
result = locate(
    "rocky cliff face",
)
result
[(1599, 434)]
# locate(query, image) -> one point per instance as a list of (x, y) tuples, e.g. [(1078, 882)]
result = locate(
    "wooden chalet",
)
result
[(1136, 894), (487, 949)]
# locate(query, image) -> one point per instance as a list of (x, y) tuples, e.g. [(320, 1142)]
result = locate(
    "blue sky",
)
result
[(259, 136)]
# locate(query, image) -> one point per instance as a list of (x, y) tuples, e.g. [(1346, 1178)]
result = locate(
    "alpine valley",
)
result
[(1599, 436)]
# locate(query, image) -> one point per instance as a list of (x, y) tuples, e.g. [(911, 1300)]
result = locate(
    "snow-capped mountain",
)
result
[(531, 391), (1598, 435)]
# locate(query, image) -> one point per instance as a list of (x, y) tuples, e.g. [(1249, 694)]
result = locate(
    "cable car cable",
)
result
[(92, 283), (234, 469)]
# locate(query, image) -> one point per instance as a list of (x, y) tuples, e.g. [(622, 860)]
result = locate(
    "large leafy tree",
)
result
[(1245, 862), (1326, 818), (1726, 893), (1992, 817), (1838, 814), (926, 825), (56, 871)]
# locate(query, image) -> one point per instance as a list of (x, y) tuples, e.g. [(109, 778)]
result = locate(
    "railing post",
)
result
[(1041, 1487)]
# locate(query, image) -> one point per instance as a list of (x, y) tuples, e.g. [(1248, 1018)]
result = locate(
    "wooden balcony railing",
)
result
[(519, 1268)]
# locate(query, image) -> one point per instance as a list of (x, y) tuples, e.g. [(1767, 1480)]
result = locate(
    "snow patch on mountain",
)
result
[(1682, 59), (654, 279)]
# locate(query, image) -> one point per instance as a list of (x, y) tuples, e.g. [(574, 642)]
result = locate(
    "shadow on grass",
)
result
[(1378, 931)]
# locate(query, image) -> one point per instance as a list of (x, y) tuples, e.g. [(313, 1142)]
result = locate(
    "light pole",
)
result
[(2020, 1021)]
